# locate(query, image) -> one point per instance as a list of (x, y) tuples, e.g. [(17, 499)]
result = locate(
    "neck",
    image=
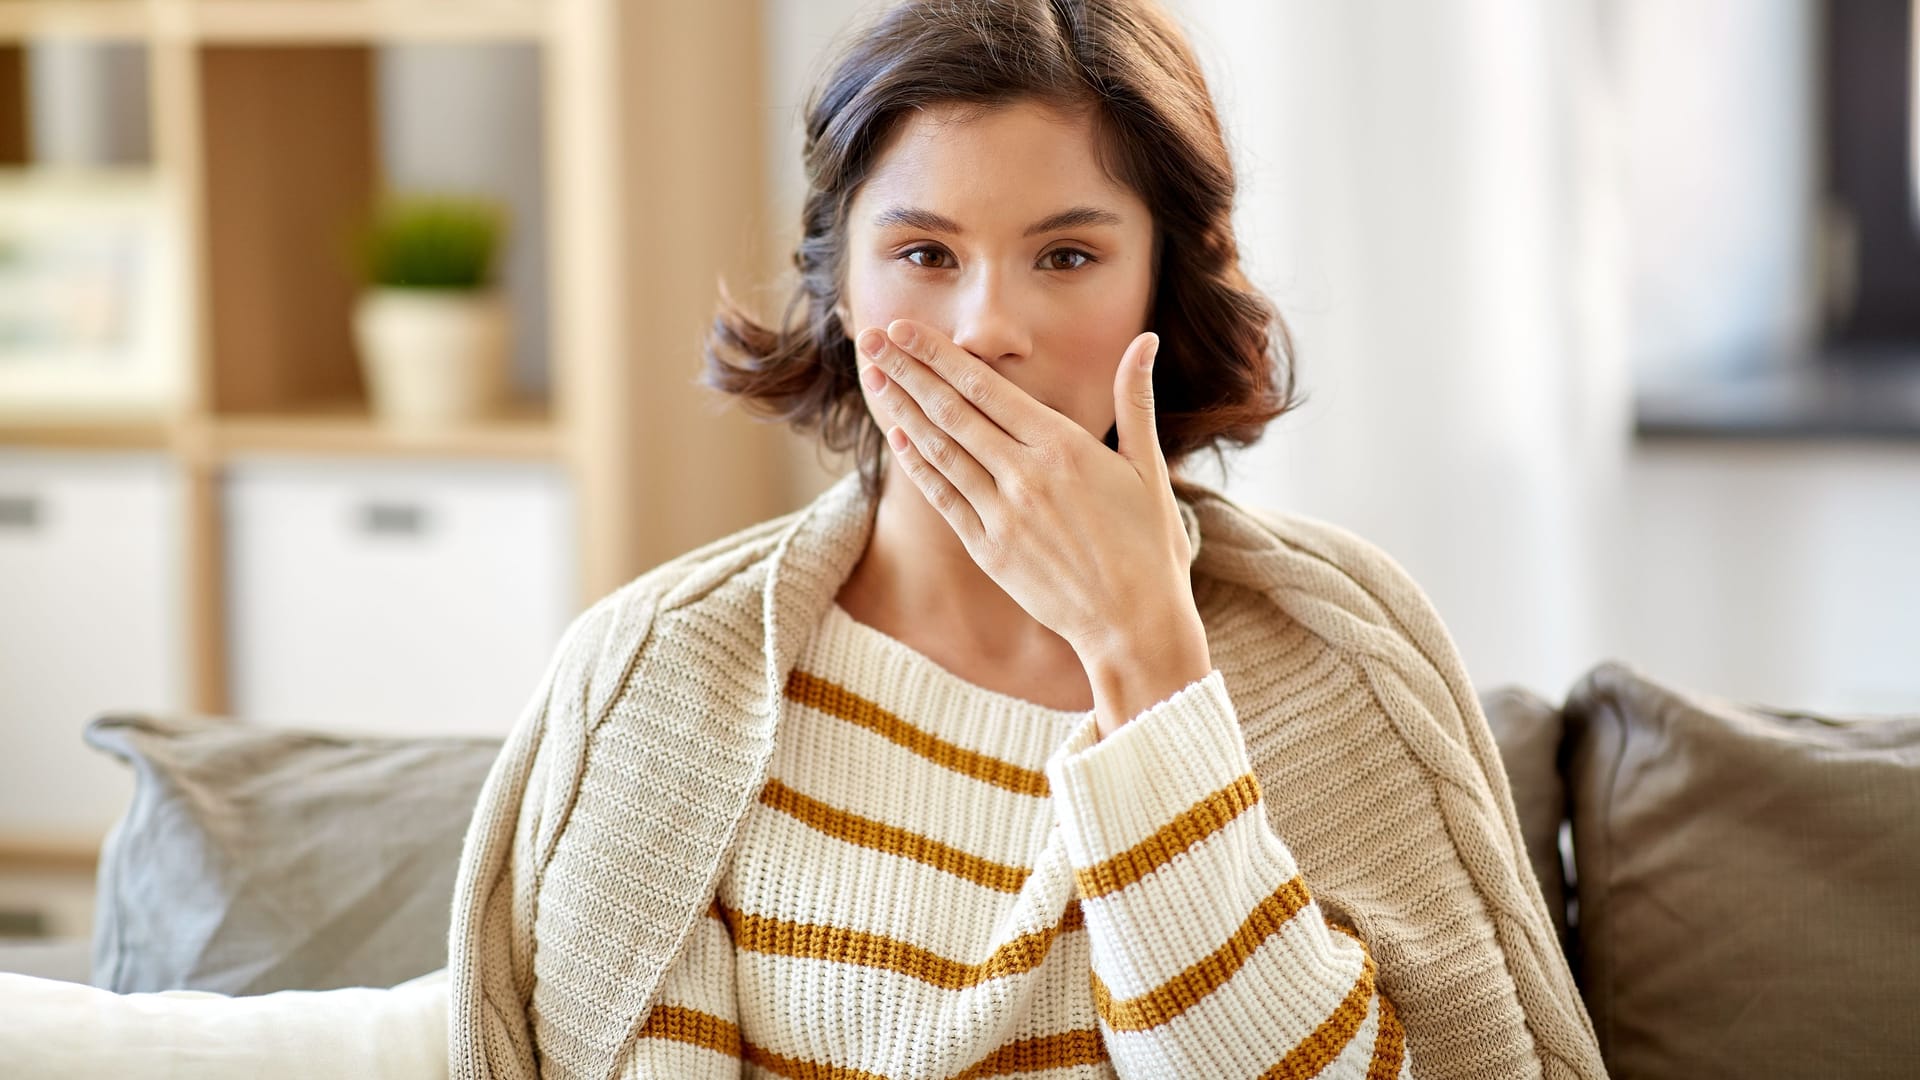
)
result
[(915, 567)]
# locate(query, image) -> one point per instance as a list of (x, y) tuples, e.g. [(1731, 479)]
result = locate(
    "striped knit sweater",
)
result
[(939, 880), (620, 801)]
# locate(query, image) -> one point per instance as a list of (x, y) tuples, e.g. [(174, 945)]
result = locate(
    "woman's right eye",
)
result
[(930, 252)]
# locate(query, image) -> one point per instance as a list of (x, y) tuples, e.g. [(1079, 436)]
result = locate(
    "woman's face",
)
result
[(999, 229)]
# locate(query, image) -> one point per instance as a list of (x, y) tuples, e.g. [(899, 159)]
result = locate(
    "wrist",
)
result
[(1131, 673)]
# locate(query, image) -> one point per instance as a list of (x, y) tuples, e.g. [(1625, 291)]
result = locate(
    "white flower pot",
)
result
[(433, 356)]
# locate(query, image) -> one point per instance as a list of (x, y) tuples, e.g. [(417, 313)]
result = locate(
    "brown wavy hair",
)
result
[(1225, 368)]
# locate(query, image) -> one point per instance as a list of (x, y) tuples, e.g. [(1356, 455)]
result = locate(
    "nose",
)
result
[(988, 321)]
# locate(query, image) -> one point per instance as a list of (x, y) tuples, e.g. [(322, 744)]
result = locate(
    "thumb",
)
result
[(1133, 403)]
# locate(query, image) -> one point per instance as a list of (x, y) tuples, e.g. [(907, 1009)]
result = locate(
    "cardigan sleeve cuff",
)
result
[(1117, 792)]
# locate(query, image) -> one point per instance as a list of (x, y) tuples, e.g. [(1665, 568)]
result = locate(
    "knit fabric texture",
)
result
[(1339, 712), (922, 890)]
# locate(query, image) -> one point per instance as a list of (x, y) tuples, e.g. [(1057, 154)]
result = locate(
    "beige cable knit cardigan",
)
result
[(605, 823)]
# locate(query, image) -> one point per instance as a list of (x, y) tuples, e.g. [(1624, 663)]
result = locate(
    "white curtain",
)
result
[(1431, 195)]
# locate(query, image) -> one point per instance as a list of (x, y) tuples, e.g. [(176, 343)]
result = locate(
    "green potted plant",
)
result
[(431, 327)]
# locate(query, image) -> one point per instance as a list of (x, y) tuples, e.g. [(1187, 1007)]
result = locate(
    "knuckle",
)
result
[(1018, 493), (974, 386), (943, 410), (937, 449)]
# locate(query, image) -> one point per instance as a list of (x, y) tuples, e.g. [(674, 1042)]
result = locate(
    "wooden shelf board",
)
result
[(312, 21), (79, 433), (32, 851), (524, 431), (24, 19)]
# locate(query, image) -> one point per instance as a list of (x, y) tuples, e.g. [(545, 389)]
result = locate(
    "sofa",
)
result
[(1737, 887)]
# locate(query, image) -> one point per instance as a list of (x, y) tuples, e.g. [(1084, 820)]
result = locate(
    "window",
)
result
[(1872, 190)]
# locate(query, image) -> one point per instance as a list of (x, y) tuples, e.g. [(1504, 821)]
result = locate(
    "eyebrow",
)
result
[(915, 218)]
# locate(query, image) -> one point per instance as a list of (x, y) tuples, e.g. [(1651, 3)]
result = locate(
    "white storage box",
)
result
[(401, 597), (90, 622)]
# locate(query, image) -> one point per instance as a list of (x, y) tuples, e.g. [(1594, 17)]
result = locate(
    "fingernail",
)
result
[(1153, 353), (874, 378), (872, 341), (901, 333)]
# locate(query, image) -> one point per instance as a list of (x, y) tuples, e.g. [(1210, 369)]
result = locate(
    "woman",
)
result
[(1014, 751)]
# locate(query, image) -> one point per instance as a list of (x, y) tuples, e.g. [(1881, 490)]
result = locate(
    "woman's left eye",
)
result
[(1053, 259)]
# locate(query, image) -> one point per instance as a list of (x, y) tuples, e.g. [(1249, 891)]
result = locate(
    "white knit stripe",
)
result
[(1101, 1071), (1290, 983), (1358, 1057), (860, 888), (1131, 784), (1079, 736), (702, 977), (662, 1059), (1054, 935), (1247, 1027), (878, 779), (1188, 909), (917, 1014), (895, 673)]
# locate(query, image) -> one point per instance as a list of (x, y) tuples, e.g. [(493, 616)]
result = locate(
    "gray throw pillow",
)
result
[(1748, 882), (1528, 729), (256, 859)]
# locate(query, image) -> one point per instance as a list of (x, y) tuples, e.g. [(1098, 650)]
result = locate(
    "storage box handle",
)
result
[(19, 512), (393, 519)]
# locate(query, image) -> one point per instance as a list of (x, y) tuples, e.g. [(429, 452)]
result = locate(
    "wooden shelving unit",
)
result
[(526, 430), (263, 121), (101, 19)]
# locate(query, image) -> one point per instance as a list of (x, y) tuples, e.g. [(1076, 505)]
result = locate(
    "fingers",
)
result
[(992, 394), (936, 443), (938, 490), (1133, 405)]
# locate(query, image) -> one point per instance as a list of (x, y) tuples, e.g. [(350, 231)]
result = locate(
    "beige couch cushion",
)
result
[(254, 859), (1748, 884)]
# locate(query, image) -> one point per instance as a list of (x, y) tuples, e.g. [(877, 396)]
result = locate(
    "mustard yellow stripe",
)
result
[(1318, 1050), (1185, 990), (685, 1025), (1195, 823), (836, 700), (1081, 1047), (1389, 1042), (679, 1024), (812, 941), (879, 836)]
